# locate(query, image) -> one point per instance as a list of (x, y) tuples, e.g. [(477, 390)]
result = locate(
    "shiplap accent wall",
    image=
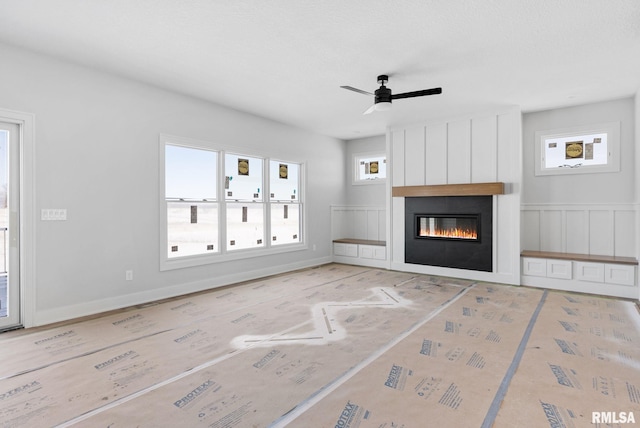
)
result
[(599, 229), (477, 149), (358, 222)]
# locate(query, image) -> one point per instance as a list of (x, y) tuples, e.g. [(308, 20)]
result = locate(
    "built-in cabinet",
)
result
[(358, 235), (360, 252), (576, 214), (612, 276)]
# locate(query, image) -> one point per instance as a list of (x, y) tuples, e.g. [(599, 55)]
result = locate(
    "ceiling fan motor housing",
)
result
[(383, 95)]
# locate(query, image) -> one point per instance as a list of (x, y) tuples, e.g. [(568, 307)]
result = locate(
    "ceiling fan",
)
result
[(383, 96)]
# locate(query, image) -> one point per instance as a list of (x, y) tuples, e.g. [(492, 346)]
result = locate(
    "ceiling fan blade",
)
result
[(360, 91), (370, 109), (432, 91)]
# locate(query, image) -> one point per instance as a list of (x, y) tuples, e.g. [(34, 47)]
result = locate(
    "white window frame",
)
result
[(224, 254), (612, 129), (357, 157), (263, 200), (298, 200)]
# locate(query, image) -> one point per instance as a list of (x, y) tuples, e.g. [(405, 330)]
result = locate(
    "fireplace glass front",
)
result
[(455, 227)]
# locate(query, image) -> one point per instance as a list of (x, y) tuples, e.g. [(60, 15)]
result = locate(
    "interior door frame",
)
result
[(26, 221)]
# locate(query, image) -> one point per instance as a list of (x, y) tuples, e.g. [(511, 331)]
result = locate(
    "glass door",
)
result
[(9, 215)]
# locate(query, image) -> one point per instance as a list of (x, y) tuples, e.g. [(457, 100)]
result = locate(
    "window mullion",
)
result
[(266, 183), (222, 200)]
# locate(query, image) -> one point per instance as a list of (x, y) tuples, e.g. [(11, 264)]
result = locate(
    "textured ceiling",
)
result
[(286, 59)]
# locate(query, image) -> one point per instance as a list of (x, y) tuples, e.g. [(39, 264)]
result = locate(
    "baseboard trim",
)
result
[(66, 313)]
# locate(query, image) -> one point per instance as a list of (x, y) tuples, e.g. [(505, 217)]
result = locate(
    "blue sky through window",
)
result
[(190, 173)]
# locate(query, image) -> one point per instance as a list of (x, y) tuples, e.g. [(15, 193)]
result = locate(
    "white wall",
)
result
[(96, 152), (364, 214), (582, 213), (482, 148), (615, 187)]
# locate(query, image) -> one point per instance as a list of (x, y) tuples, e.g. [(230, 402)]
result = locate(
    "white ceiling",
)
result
[(286, 59)]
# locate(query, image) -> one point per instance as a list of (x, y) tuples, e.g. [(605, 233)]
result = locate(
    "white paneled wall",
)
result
[(435, 164), (479, 149), (599, 229), (484, 159), (457, 152), (358, 222)]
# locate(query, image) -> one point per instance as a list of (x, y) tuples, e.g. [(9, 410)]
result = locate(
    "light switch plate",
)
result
[(53, 214)]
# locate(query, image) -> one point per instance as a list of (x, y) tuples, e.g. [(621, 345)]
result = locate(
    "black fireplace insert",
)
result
[(450, 231)]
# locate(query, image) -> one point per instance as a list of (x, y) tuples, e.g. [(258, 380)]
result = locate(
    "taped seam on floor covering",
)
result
[(163, 383), (387, 298), (492, 413), (325, 327), (329, 388), (4, 342)]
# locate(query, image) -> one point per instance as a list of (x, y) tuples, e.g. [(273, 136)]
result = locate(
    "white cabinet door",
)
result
[(373, 252), (620, 274), (534, 266), (592, 272), (348, 250), (560, 269)]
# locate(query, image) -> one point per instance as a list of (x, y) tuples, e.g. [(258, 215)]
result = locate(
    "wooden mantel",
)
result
[(468, 189)]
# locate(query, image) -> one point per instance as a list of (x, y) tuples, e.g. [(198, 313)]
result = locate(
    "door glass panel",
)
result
[(4, 220), (9, 226)]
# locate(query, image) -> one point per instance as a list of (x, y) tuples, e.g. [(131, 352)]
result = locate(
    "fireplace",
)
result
[(449, 231), (462, 227)]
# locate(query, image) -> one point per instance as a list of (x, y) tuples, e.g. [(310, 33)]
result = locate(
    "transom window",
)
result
[(369, 168), (219, 205), (578, 150)]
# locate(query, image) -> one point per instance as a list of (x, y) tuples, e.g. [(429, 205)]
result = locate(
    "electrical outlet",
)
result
[(128, 275)]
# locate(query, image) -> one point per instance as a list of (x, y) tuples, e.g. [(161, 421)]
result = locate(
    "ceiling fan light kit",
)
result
[(383, 96)]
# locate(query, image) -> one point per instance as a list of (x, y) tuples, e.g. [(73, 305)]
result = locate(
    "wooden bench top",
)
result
[(360, 241), (580, 257)]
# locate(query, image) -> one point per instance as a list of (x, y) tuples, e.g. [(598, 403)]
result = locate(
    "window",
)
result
[(284, 189), (369, 168), (578, 150), (244, 196), (191, 201), (219, 205)]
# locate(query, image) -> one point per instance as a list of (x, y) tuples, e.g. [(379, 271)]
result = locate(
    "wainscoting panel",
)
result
[(551, 222), (530, 235), (598, 229), (625, 229), (358, 222), (601, 232), (576, 225)]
